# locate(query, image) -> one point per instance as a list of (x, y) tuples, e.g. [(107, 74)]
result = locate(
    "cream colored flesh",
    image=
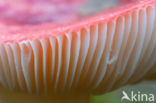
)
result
[(95, 59)]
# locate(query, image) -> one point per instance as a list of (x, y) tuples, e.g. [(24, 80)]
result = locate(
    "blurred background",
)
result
[(115, 96), (38, 14)]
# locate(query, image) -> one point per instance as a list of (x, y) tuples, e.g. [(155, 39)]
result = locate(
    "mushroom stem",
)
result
[(9, 97)]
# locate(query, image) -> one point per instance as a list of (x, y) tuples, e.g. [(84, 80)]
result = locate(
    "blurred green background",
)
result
[(115, 96)]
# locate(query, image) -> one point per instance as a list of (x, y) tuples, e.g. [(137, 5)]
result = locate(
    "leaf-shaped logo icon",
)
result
[(125, 96)]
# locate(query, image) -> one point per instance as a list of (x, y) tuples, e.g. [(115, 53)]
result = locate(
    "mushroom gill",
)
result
[(92, 56)]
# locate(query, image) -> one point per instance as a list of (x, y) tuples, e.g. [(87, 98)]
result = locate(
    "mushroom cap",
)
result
[(96, 55)]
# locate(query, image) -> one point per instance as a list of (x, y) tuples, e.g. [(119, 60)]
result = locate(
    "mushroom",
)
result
[(69, 62)]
